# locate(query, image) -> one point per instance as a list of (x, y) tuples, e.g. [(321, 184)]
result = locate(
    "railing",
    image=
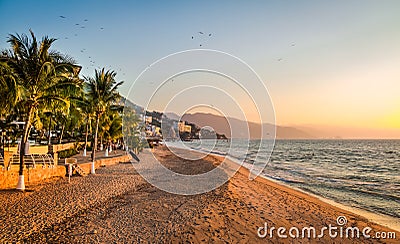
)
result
[(32, 160)]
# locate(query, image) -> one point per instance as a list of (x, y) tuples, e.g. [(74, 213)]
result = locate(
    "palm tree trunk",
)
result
[(94, 148), (24, 139), (49, 141), (86, 139), (61, 136)]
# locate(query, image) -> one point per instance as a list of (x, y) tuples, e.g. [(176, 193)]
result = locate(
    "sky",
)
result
[(328, 65)]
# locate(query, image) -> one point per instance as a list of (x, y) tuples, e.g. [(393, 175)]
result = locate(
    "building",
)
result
[(183, 127)]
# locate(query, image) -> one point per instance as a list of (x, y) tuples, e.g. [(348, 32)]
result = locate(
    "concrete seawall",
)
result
[(104, 162), (9, 178)]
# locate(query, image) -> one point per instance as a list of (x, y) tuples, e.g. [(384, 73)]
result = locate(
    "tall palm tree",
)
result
[(42, 76), (102, 92)]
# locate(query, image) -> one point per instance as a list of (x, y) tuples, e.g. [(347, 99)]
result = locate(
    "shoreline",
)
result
[(377, 218)]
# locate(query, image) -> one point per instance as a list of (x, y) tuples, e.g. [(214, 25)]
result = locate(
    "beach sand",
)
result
[(117, 205)]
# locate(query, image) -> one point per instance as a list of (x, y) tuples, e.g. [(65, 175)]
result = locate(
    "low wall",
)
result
[(61, 147), (9, 178), (104, 162), (32, 149)]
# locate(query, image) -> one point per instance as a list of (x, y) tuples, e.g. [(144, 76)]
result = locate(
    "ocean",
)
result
[(358, 173)]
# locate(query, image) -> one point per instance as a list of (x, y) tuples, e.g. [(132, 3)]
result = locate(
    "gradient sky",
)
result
[(327, 64)]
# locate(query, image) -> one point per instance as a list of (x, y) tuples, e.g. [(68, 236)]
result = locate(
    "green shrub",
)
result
[(67, 153)]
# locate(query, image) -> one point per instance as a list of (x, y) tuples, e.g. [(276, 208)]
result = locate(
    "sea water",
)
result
[(357, 173)]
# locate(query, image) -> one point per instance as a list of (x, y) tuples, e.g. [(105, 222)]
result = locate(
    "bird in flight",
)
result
[(192, 37), (201, 33), (85, 20), (209, 34), (101, 28), (62, 17)]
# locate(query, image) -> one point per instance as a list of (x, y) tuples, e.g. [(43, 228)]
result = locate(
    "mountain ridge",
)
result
[(221, 125)]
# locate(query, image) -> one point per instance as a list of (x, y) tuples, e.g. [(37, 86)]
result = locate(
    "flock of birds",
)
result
[(83, 50), (202, 34), (203, 37)]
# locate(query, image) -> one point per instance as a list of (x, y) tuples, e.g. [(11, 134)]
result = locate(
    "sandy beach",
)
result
[(118, 206)]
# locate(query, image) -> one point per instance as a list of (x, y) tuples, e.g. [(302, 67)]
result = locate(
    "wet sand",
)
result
[(118, 206)]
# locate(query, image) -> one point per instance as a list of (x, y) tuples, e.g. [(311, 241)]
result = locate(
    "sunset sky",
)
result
[(328, 65)]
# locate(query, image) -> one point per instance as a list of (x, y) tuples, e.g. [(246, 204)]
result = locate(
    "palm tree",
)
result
[(102, 92), (72, 123), (42, 76), (8, 93), (110, 127), (86, 110), (131, 128)]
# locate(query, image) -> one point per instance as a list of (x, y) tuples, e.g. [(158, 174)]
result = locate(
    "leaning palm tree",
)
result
[(42, 76), (102, 92)]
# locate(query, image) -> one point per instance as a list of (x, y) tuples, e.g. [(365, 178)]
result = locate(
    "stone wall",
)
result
[(9, 178), (45, 149), (105, 162)]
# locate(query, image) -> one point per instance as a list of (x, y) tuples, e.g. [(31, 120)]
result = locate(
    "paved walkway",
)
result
[(28, 216)]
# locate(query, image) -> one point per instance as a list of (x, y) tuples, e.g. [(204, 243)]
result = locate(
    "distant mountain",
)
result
[(220, 125)]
